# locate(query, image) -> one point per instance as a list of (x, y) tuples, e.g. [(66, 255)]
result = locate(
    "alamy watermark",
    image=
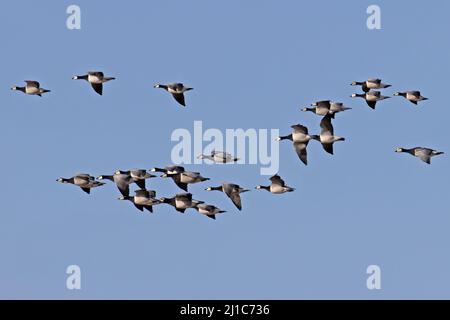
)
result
[(73, 21), (238, 146), (374, 279), (374, 20), (73, 281)]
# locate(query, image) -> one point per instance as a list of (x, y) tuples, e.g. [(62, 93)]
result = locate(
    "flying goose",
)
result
[(181, 202), (336, 107), (327, 137), (143, 199), (219, 157), (32, 88), (208, 210), (232, 191), (169, 169), (370, 84), (322, 108), (138, 175), (300, 139), (184, 178), (371, 97), (122, 181), (424, 154), (85, 181), (411, 96), (96, 79), (176, 89), (277, 186)]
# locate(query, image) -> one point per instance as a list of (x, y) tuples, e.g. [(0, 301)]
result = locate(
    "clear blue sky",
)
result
[(253, 64)]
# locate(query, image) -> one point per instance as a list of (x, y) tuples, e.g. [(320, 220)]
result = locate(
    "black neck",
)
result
[(265, 187), (410, 151), (288, 137), (168, 200)]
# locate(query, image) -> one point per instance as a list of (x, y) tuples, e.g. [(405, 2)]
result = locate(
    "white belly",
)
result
[(94, 79), (180, 204)]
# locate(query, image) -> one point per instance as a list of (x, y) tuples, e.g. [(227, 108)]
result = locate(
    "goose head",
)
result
[(62, 180), (399, 150)]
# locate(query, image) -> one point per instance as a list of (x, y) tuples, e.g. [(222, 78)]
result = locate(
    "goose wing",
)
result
[(300, 149), (326, 126), (300, 128), (98, 87), (32, 83), (276, 179), (179, 97)]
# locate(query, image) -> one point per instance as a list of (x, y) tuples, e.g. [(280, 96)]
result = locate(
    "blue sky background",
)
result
[(253, 64)]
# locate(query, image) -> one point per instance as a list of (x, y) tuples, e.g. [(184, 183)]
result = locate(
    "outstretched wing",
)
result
[(87, 190), (328, 147), (326, 126), (300, 128), (371, 104), (180, 184), (232, 191), (31, 83), (276, 179), (236, 198), (180, 98), (98, 87), (300, 148)]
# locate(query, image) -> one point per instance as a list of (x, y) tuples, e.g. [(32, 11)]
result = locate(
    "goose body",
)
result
[(137, 175), (85, 181), (143, 199), (412, 96), (208, 210), (181, 202), (300, 139), (370, 84), (32, 88), (169, 169), (327, 137), (233, 192), (325, 107), (96, 79), (320, 108), (219, 157), (336, 107), (176, 89), (277, 186), (122, 181), (424, 154), (371, 97), (183, 179)]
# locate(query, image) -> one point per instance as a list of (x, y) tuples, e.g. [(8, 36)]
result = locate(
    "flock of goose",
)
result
[(300, 137)]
